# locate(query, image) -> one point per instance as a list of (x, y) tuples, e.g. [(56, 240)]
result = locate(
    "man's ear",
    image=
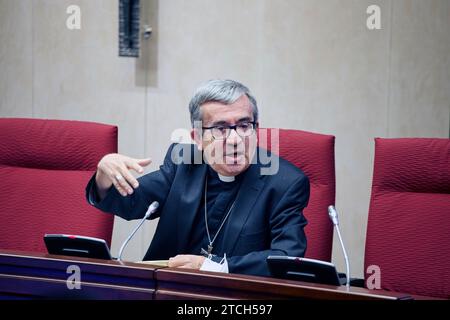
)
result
[(195, 135)]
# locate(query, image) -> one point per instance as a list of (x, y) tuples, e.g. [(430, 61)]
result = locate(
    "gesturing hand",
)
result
[(114, 169)]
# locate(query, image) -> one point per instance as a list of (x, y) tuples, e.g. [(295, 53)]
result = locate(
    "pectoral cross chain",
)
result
[(207, 253)]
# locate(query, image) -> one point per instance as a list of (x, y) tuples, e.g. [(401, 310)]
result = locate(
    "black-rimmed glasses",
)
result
[(243, 129)]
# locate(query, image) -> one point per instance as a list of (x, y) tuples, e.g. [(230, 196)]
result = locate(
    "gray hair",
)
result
[(223, 91)]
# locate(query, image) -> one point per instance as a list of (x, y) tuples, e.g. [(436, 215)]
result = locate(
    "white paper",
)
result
[(209, 265)]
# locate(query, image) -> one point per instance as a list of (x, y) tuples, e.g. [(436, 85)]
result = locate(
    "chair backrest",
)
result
[(44, 167), (408, 231), (314, 154)]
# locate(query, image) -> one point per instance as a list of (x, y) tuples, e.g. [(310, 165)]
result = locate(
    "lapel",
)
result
[(251, 186), (191, 195)]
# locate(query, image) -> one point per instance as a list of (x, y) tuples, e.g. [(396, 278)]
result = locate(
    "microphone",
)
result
[(335, 220), (151, 209)]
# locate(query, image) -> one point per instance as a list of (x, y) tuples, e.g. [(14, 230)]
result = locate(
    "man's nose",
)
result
[(234, 137)]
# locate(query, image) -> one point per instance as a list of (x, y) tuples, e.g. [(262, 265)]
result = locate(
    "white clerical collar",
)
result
[(226, 178)]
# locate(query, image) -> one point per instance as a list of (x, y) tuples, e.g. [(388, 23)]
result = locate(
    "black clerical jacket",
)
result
[(267, 218)]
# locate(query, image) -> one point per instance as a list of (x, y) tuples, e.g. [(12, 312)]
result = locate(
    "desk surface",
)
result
[(36, 275)]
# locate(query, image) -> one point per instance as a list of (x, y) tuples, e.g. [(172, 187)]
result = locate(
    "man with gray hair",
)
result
[(219, 211)]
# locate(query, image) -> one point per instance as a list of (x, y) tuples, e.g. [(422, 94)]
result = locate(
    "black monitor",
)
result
[(79, 246), (303, 269)]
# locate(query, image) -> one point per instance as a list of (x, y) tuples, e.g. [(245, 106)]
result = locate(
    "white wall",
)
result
[(312, 66)]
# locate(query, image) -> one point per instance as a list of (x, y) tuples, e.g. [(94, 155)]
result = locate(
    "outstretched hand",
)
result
[(114, 169)]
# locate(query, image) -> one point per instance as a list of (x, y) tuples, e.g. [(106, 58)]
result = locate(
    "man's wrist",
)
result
[(99, 189), (201, 260)]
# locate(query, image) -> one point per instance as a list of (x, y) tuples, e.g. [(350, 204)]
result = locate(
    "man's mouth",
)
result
[(234, 157), (234, 154)]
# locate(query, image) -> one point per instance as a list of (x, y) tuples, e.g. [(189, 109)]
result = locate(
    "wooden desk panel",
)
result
[(36, 275), (26, 275), (192, 284)]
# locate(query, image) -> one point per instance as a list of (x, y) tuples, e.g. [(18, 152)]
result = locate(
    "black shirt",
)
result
[(220, 197)]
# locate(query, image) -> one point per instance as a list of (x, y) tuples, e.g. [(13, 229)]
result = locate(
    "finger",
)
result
[(144, 162), (122, 182), (129, 177), (191, 264), (182, 265), (186, 261), (133, 164), (172, 263), (119, 188), (177, 261)]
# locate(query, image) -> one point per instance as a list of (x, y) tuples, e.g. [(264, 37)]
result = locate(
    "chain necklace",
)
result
[(211, 242)]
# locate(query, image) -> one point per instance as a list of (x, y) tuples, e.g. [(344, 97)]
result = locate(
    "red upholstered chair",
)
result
[(44, 168), (314, 154), (408, 231)]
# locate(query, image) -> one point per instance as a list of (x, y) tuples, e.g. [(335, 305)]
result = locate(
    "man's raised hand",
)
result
[(114, 169)]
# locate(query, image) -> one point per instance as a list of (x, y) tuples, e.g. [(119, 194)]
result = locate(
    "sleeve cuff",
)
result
[(92, 196)]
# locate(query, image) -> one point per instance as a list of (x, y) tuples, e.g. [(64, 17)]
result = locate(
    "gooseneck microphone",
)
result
[(335, 220), (151, 209)]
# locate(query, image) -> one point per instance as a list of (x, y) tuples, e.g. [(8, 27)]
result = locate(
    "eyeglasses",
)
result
[(221, 132)]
